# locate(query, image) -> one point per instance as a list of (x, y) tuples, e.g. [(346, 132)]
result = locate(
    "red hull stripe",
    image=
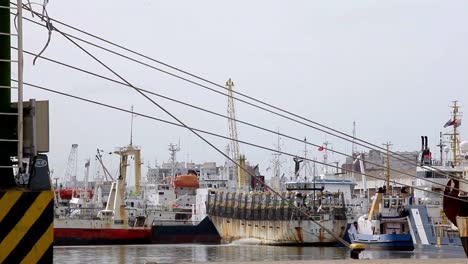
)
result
[(101, 233)]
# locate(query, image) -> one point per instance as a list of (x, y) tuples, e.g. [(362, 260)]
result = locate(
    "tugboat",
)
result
[(386, 226)]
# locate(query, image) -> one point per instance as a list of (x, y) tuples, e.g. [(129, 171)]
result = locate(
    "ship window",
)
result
[(386, 203), (161, 193), (132, 204)]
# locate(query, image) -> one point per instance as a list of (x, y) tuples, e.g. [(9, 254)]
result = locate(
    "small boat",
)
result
[(386, 226)]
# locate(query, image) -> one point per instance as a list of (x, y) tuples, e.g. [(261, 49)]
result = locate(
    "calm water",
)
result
[(206, 253)]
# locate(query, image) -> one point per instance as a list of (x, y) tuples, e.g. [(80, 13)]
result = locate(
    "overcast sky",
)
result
[(392, 66)]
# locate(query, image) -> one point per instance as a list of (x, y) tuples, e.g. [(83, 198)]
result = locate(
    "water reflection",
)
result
[(220, 253)]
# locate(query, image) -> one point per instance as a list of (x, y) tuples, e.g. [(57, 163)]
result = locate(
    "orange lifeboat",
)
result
[(188, 180)]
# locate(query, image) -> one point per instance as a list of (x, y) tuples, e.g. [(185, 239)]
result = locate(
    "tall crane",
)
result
[(234, 146), (72, 166), (231, 111)]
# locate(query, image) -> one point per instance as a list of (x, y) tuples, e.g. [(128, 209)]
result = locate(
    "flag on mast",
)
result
[(451, 122), (321, 148)]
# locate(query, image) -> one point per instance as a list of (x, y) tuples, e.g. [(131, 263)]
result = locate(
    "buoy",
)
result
[(356, 249)]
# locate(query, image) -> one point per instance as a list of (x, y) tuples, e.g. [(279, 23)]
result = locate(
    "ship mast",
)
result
[(353, 148), (173, 149), (455, 135), (306, 163), (131, 126), (387, 174), (277, 165), (325, 157)]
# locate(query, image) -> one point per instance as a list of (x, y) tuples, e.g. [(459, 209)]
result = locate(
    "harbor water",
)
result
[(227, 253)]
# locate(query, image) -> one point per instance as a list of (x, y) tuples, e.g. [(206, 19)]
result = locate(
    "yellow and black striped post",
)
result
[(26, 226)]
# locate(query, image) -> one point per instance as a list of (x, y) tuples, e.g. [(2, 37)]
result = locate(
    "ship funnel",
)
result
[(425, 144), (422, 143)]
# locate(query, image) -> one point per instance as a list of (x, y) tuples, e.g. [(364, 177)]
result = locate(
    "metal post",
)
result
[(20, 84), (32, 104)]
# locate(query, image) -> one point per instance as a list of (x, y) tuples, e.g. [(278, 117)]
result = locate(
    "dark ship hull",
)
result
[(203, 232)]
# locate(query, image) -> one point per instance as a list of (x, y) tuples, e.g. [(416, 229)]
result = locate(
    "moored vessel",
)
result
[(108, 226), (268, 219), (455, 201), (386, 225)]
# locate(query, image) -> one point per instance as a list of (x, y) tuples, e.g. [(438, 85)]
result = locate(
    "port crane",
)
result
[(234, 144), (72, 166)]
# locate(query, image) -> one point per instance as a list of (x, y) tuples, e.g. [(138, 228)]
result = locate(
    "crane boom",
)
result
[(235, 152), (72, 167), (232, 122)]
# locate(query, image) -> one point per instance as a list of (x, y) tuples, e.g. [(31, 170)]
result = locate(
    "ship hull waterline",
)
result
[(278, 232), (69, 232)]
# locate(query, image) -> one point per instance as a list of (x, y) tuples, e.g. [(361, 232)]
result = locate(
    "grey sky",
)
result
[(393, 66)]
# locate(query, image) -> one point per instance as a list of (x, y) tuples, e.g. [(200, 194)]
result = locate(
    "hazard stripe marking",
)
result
[(21, 228), (16, 212), (41, 246), (7, 202), (31, 237)]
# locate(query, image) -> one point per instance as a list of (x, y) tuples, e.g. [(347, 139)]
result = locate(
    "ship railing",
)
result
[(82, 212), (170, 222)]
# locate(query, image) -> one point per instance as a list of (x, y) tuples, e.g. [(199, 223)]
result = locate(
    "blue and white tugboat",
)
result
[(386, 225)]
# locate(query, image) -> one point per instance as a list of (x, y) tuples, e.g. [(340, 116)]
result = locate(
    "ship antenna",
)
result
[(131, 126), (353, 148), (441, 148)]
